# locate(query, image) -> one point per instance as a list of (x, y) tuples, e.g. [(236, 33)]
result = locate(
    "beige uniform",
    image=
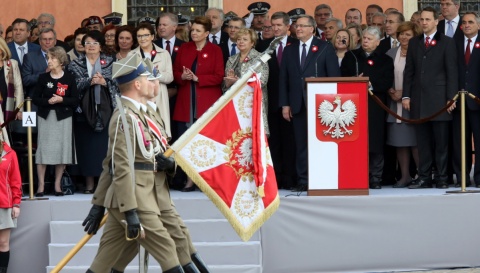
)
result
[(168, 215), (117, 193)]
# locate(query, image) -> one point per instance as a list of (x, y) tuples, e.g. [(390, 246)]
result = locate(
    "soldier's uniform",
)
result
[(123, 194)]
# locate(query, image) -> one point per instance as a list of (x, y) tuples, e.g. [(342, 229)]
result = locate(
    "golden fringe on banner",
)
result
[(244, 233)]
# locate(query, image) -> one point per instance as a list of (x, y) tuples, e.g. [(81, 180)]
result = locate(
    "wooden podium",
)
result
[(337, 116)]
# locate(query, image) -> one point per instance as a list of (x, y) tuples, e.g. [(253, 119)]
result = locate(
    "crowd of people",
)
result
[(200, 58)]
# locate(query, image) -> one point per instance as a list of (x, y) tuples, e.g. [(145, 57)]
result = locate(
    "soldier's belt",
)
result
[(145, 167)]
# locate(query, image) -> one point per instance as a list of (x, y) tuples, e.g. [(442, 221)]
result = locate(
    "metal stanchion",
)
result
[(462, 147), (30, 158)]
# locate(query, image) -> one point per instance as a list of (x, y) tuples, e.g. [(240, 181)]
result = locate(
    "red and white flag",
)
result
[(226, 154)]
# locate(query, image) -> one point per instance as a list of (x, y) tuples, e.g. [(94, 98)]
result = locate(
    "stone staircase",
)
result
[(212, 235)]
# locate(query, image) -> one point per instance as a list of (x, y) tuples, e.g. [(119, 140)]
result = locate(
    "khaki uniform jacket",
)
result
[(161, 185), (115, 189)]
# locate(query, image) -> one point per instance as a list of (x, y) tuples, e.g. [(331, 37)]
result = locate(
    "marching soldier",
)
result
[(171, 220), (130, 196)]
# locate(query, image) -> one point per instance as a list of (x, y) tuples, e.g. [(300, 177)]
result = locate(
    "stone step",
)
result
[(134, 269), (213, 253), (214, 230), (198, 208)]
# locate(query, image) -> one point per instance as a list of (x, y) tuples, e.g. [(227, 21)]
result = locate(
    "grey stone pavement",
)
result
[(465, 270)]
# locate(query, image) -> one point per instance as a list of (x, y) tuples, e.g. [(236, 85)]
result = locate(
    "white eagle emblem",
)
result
[(336, 119)]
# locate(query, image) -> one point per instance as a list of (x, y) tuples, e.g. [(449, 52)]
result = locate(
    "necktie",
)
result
[(259, 35), (234, 50), (450, 29), (214, 39), (304, 55), (22, 53), (395, 43), (280, 53), (427, 42), (167, 48), (467, 52), (322, 35)]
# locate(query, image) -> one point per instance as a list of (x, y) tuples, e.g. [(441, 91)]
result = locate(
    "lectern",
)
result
[(337, 110)]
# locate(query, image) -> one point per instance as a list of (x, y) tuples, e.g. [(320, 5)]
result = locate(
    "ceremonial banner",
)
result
[(338, 136), (226, 154)]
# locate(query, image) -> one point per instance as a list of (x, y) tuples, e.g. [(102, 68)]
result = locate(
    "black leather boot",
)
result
[(190, 268), (176, 269), (115, 271), (197, 260)]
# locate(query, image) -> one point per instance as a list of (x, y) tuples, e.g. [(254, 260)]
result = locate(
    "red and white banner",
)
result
[(337, 135), (228, 158)]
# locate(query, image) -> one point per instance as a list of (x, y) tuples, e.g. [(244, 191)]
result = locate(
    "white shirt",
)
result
[(284, 44), (152, 104), (172, 43), (307, 48), (17, 46), (218, 35), (230, 43), (137, 104), (455, 22), (431, 37), (472, 44)]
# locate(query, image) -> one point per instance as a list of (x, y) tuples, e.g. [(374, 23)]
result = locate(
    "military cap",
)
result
[(154, 73), (182, 19), (92, 20), (128, 69), (146, 19), (294, 13), (229, 15), (259, 8), (114, 18)]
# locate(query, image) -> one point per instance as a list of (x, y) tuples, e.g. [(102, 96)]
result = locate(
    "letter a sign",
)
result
[(29, 119)]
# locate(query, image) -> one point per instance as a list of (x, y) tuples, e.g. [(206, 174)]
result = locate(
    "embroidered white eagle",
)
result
[(337, 119)]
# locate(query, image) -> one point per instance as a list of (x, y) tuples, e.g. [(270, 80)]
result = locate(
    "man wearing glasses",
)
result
[(311, 57), (230, 47), (322, 13), (35, 62), (450, 26), (46, 20)]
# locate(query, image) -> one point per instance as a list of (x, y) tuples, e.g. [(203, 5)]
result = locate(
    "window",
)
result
[(152, 8), (465, 5)]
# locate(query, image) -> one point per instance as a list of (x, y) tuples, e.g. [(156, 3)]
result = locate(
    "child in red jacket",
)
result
[(10, 198)]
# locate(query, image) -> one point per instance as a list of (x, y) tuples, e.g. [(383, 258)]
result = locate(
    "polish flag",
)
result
[(338, 147)]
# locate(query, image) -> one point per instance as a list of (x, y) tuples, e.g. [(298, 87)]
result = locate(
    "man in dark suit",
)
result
[(430, 82), (394, 19), (379, 68), (230, 47), (216, 36), (311, 57), (468, 53), (46, 20), (281, 131), (35, 62), (450, 26), (20, 45), (166, 25), (322, 13)]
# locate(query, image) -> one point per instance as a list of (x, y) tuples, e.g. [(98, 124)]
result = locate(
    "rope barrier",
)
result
[(416, 121)]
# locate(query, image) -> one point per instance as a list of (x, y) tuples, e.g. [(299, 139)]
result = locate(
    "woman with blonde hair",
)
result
[(343, 42), (11, 88)]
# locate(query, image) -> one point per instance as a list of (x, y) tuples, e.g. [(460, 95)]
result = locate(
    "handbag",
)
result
[(97, 116), (66, 183)]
